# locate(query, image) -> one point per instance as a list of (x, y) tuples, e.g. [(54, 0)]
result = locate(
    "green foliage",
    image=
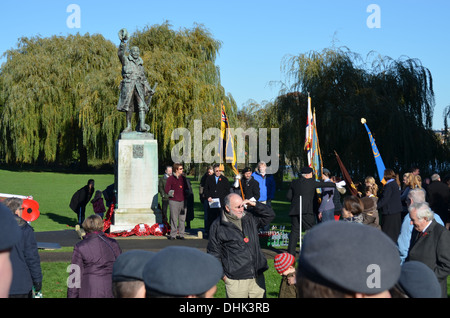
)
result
[(59, 94), (395, 96)]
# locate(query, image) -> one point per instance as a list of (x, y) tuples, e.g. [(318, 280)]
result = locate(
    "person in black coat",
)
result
[(430, 243), (234, 241), (438, 196), (80, 199), (390, 205), (305, 187), (217, 186), (250, 187), (25, 259)]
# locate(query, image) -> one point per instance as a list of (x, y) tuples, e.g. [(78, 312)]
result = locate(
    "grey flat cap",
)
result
[(10, 232), (129, 266), (417, 280), (182, 271), (350, 256)]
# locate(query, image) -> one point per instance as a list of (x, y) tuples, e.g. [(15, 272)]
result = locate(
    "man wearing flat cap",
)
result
[(305, 187), (128, 271), (250, 187), (182, 272), (347, 260)]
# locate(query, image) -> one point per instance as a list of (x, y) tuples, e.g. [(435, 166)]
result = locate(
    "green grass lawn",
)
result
[(53, 192)]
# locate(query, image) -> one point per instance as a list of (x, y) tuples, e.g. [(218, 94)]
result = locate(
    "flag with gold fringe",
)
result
[(226, 146)]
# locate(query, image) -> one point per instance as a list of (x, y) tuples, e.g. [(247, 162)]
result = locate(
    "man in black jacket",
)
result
[(305, 187), (217, 186), (234, 241), (430, 243)]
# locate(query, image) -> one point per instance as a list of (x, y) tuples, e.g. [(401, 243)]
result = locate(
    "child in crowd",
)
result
[(285, 266), (98, 204)]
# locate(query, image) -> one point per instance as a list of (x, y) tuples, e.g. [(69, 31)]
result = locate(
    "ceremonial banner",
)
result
[(376, 154), (317, 165), (309, 133), (226, 147), (346, 176)]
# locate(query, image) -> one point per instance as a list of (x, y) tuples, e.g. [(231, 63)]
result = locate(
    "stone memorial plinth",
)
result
[(136, 179)]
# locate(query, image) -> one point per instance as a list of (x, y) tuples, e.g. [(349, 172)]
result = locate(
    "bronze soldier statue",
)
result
[(135, 91)]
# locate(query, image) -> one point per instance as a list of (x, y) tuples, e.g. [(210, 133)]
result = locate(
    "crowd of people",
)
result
[(390, 241)]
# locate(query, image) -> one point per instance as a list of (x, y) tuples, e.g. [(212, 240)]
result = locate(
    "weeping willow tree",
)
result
[(59, 94), (395, 96)]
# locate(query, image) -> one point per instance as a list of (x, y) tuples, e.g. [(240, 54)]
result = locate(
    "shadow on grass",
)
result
[(60, 219)]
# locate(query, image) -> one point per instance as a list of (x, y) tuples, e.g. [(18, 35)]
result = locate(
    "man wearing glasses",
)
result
[(176, 189)]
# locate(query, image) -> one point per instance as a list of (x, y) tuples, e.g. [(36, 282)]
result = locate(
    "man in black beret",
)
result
[(179, 271), (305, 187), (344, 259), (417, 280), (127, 276), (250, 187)]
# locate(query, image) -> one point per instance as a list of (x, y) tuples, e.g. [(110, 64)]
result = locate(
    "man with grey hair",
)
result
[(404, 239), (438, 196), (430, 243), (234, 241)]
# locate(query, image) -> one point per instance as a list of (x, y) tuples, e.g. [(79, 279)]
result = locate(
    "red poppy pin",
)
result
[(220, 179), (246, 239)]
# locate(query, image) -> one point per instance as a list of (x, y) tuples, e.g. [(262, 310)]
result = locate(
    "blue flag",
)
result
[(376, 154)]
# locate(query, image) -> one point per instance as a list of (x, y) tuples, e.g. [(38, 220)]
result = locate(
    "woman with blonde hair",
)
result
[(370, 182)]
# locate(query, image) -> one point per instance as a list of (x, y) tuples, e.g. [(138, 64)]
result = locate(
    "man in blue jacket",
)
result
[(266, 184)]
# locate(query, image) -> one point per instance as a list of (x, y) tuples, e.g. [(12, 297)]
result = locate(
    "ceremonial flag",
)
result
[(309, 133), (226, 146), (346, 176), (316, 157), (376, 154)]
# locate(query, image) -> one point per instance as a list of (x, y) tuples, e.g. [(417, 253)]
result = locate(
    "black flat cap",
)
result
[(306, 170), (246, 169), (129, 266), (350, 256), (417, 280), (10, 232), (182, 271)]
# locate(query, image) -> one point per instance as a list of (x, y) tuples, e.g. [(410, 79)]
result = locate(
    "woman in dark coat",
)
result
[(390, 205), (92, 262)]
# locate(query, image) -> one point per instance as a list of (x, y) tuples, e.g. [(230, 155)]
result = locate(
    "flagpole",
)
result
[(300, 225)]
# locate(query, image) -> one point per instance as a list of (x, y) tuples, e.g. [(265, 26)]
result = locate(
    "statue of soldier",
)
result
[(134, 88)]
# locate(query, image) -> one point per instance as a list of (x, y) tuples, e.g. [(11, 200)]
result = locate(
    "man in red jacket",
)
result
[(175, 188)]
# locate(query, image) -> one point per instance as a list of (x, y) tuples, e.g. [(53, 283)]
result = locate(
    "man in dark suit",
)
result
[(305, 187), (217, 186), (438, 196), (430, 243)]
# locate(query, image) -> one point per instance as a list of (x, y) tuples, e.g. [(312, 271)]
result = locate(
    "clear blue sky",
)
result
[(257, 34)]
